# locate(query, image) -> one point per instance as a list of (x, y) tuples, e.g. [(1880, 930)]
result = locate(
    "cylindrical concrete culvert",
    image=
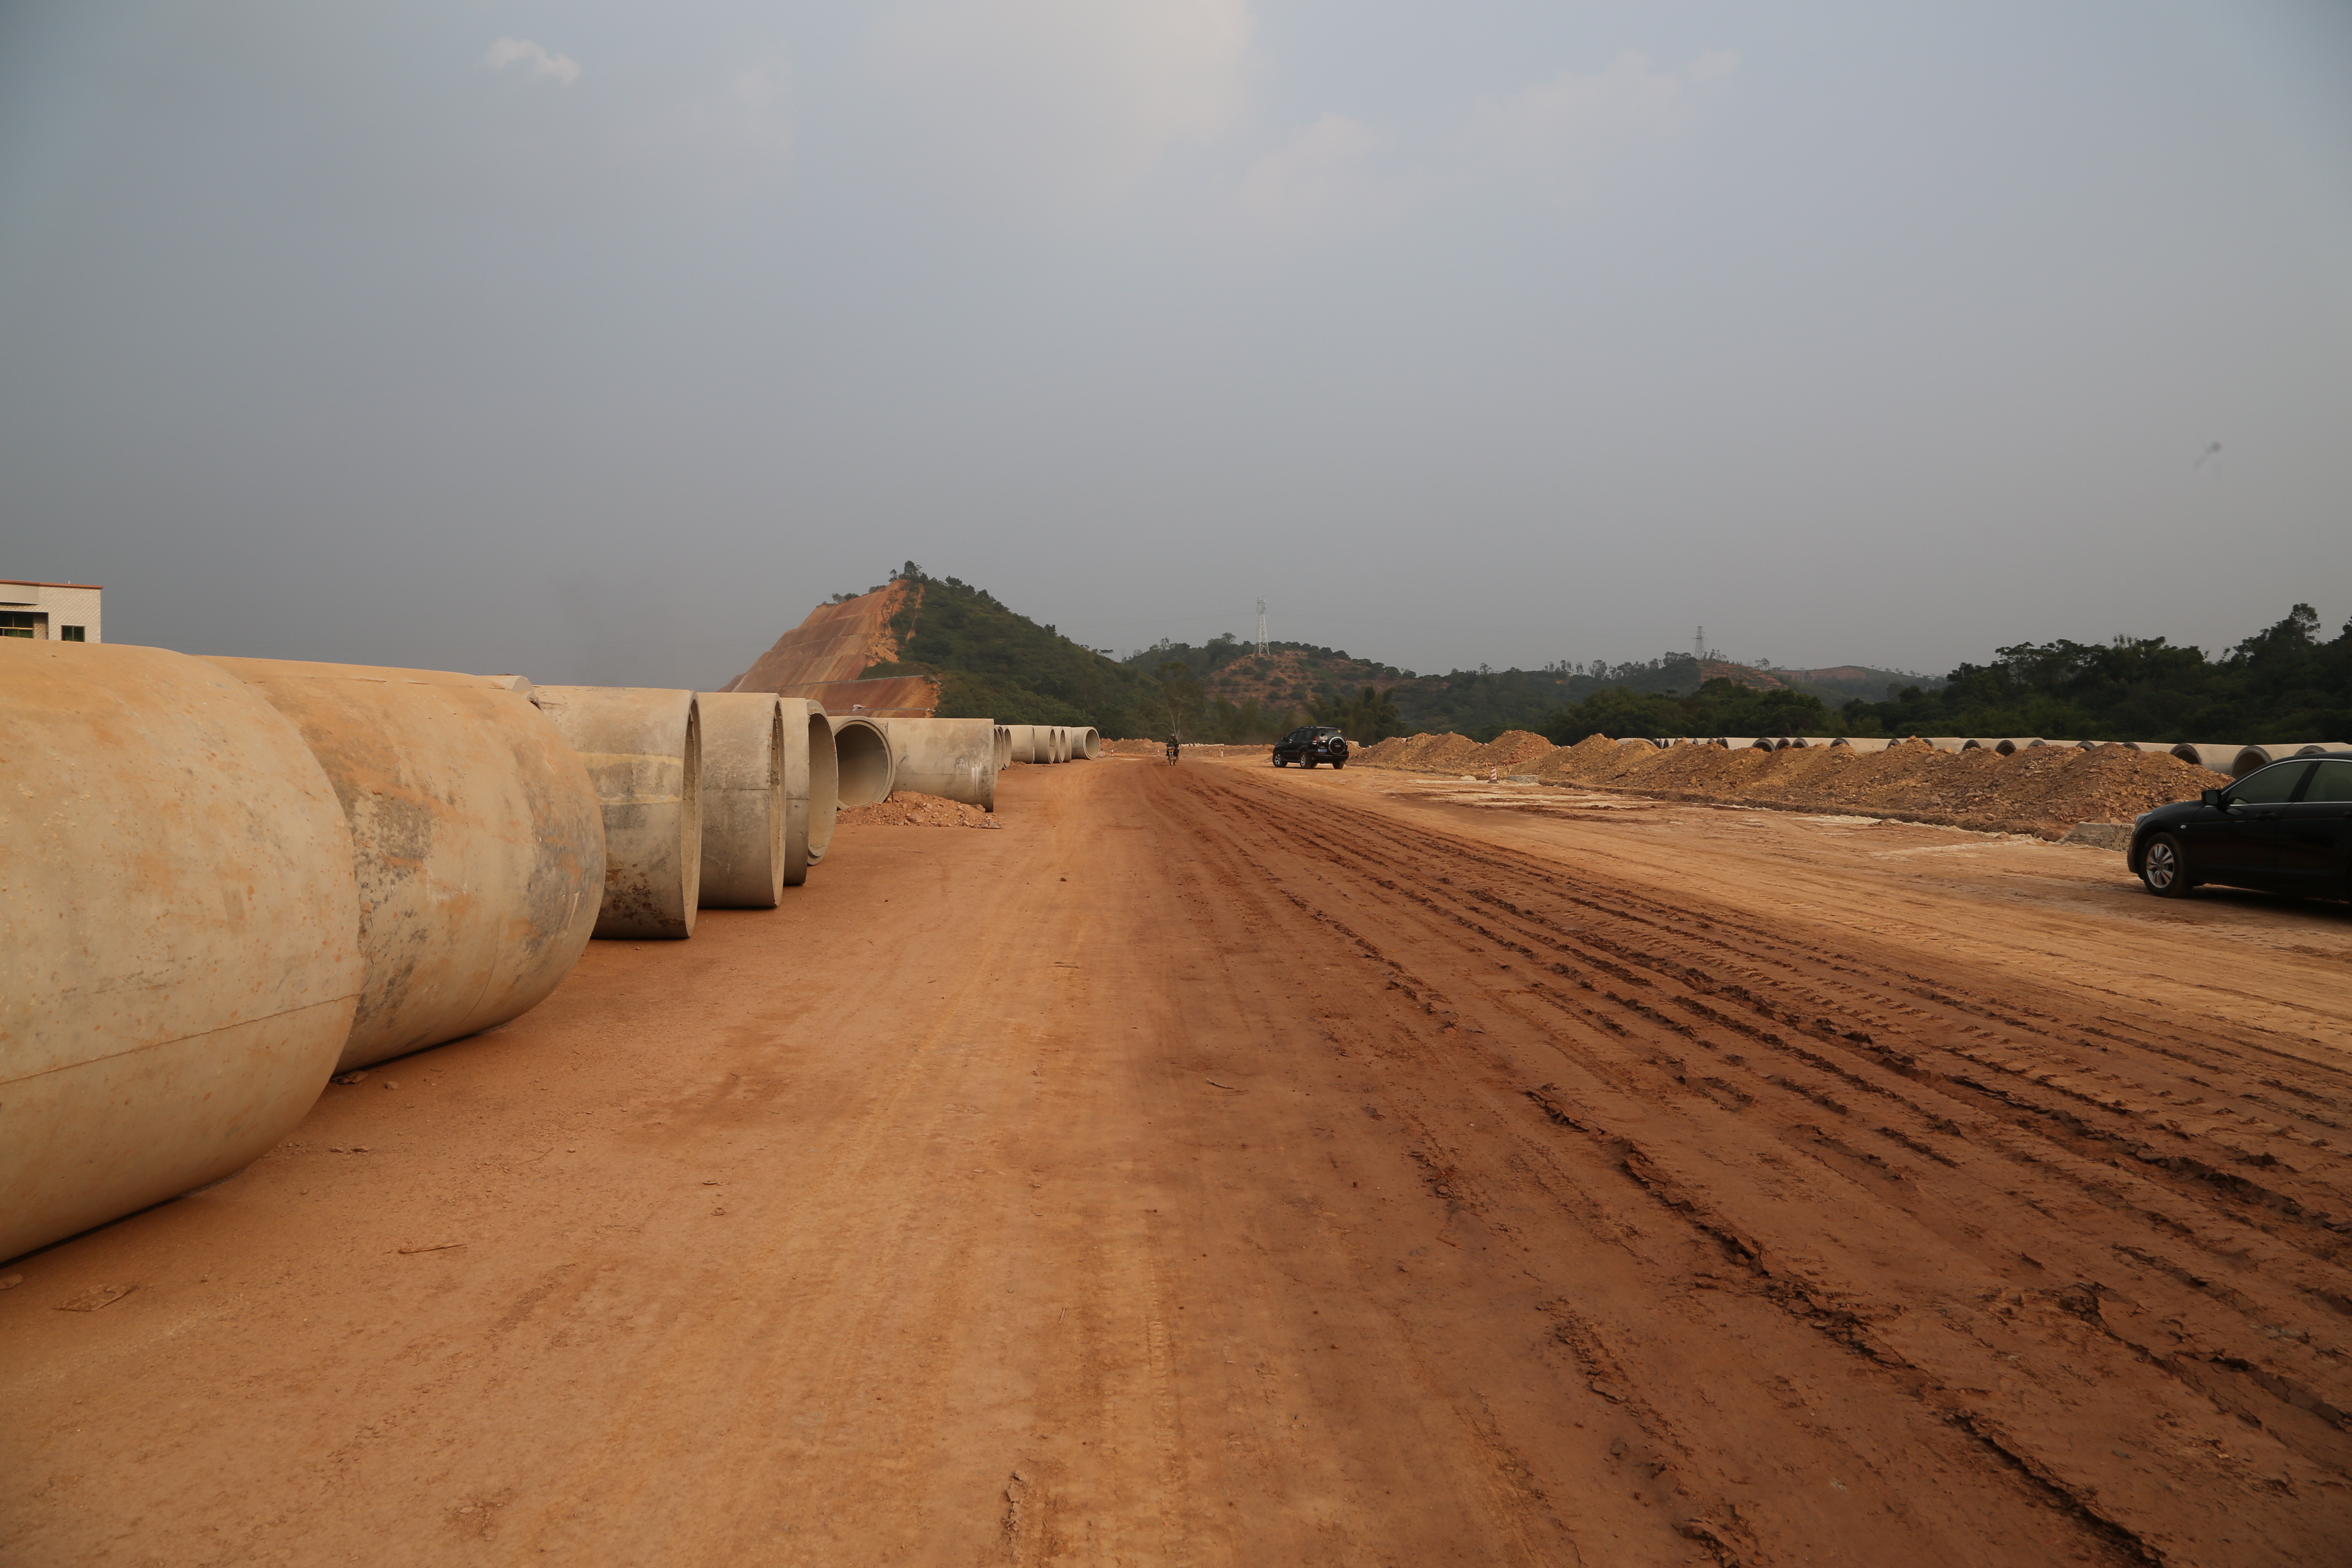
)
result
[(811, 787), (1020, 743), (180, 943), (1004, 747), (2220, 756), (954, 759), (1088, 745), (1061, 742), (643, 748), (743, 812), (477, 840), (867, 767), (2262, 753), (1865, 744)]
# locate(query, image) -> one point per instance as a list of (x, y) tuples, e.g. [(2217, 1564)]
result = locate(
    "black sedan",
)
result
[(2285, 828), (1309, 744)]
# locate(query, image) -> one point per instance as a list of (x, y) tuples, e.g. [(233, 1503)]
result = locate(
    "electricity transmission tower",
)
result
[(1698, 644), (1261, 625)]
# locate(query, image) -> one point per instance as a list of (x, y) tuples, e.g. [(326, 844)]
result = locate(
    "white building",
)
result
[(66, 611)]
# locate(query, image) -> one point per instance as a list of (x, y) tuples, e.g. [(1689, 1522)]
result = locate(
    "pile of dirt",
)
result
[(2043, 790), (1512, 752), (908, 809)]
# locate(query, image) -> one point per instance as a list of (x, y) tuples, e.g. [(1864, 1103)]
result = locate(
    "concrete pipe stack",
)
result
[(477, 842), (179, 956), (1087, 745), (2217, 755), (643, 750), (866, 769), (954, 759), (2262, 753)]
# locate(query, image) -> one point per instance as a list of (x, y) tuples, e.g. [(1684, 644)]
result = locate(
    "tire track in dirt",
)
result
[(2170, 1289)]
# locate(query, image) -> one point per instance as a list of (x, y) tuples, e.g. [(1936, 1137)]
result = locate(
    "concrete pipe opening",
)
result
[(743, 810), (449, 782), (2220, 756), (1087, 745), (181, 930), (811, 787), (2264, 753), (867, 767), (1004, 747), (2011, 746), (954, 759), (643, 748)]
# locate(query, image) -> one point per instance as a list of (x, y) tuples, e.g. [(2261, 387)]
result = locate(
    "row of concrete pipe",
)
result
[(2231, 758), (226, 879)]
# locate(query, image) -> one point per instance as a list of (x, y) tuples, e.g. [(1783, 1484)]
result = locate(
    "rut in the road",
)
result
[(2109, 1249)]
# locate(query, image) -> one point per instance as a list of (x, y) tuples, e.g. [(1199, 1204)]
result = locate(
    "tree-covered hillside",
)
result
[(995, 663), (2283, 683)]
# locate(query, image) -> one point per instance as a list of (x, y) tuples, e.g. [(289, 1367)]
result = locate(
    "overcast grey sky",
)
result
[(600, 341)]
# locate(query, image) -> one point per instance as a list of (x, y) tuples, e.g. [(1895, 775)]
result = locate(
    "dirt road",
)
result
[(1226, 1166)]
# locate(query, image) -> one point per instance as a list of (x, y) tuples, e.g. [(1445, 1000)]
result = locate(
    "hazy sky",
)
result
[(600, 341)]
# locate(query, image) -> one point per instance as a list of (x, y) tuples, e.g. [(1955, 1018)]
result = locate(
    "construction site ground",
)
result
[(1225, 1165)]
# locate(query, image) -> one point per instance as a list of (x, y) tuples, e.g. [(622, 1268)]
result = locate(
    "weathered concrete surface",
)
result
[(477, 841), (1087, 744), (865, 768), (811, 787), (743, 811), (954, 759), (179, 931), (643, 749)]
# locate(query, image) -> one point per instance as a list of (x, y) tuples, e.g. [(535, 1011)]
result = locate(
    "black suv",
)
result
[(2285, 828), (1309, 744)]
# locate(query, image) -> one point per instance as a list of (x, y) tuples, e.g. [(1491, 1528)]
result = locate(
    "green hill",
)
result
[(995, 663)]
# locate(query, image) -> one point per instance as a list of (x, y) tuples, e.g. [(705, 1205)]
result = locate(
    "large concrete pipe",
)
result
[(1942, 743), (866, 766), (1061, 742), (811, 787), (2264, 753), (1004, 747), (2009, 745), (2220, 756), (1021, 741), (179, 942), (742, 800), (477, 839), (1865, 744), (643, 748), (954, 759), (1087, 744)]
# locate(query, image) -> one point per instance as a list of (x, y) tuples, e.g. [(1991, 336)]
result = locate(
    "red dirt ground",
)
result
[(1225, 1165)]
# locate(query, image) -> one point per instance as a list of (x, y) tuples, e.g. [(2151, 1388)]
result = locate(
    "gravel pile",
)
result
[(908, 809)]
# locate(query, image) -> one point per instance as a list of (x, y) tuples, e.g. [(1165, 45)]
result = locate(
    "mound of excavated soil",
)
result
[(908, 809), (2045, 789), (1513, 751)]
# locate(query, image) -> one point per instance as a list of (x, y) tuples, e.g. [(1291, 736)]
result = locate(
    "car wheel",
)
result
[(1338, 761), (2165, 869)]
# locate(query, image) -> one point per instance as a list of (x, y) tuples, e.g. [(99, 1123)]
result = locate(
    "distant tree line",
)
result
[(2283, 683)]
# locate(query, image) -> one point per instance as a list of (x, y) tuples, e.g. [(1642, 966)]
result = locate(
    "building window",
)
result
[(15, 623), (70, 634)]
